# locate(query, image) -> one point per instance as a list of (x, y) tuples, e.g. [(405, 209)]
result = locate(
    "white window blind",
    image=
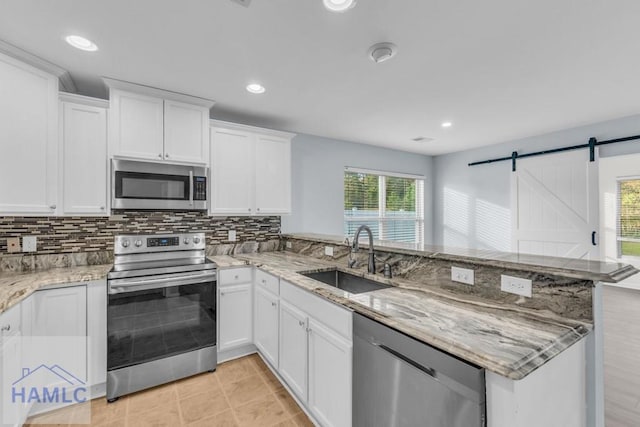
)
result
[(628, 227), (391, 205)]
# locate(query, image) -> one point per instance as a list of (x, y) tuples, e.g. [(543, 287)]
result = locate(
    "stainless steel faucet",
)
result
[(371, 268)]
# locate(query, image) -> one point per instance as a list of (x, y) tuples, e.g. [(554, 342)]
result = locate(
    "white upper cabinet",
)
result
[(153, 124), (251, 170), (186, 132), (232, 178), (83, 156), (273, 175), (137, 125), (28, 163)]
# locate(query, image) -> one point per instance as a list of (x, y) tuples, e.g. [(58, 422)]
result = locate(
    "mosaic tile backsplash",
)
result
[(64, 235)]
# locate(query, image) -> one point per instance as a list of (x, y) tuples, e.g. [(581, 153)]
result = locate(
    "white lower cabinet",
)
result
[(329, 376), (60, 315), (266, 325), (12, 413), (293, 349), (235, 316)]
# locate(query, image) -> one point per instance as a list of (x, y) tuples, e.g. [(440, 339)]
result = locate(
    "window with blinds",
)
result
[(391, 205), (628, 233)]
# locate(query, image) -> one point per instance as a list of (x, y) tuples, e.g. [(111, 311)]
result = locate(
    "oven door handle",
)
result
[(125, 285)]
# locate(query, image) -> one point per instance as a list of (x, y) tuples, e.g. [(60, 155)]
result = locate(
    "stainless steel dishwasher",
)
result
[(399, 381)]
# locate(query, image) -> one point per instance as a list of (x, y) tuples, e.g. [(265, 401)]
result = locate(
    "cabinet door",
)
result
[(62, 313), (186, 132), (13, 413), (266, 325), (232, 159), (136, 123), (236, 317), (329, 376), (293, 349), (273, 175), (29, 139), (84, 159)]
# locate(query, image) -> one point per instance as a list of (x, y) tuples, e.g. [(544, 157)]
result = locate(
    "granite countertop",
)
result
[(509, 341), (567, 267), (14, 287)]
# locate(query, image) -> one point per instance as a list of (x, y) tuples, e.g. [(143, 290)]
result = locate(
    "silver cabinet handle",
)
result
[(273, 304), (258, 209), (52, 207), (160, 155), (222, 294), (236, 277), (249, 209), (264, 281), (166, 155), (6, 328), (101, 208), (300, 322)]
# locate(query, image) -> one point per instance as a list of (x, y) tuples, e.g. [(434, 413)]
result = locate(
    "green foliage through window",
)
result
[(629, 217)]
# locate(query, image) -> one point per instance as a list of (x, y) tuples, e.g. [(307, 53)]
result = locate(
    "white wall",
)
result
[(472, 204), (318, 179)]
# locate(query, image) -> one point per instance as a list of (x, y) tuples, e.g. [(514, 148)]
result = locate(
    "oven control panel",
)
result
[(140, 243), (162, 241)]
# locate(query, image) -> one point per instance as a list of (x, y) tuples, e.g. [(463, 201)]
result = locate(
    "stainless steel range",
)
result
[(161, 315)]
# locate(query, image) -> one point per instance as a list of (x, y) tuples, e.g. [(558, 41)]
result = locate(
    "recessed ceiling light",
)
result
[(446, 124), (339, 5), (81, 43), (255, 88)]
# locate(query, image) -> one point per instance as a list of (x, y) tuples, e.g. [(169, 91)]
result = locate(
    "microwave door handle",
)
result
[(191, 188)]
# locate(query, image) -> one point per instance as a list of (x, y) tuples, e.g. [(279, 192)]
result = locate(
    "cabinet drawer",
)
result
[(234, 276), (268, 282), (10, 321), (331, 315)]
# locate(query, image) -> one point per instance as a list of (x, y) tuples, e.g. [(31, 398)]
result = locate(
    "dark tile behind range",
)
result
[(92, 234)]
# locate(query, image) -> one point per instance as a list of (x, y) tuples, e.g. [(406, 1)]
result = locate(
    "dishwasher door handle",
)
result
[(427, 370)]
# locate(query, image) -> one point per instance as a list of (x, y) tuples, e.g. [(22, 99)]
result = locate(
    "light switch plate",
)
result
[(328, 250), (462, 275), (29, 244), (13, 244), (288, 245), (515, 285), (232, 236)]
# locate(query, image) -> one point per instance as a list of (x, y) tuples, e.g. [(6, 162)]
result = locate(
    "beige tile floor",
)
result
[(242, 392)]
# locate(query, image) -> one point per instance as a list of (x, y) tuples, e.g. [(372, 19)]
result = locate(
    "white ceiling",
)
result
[(499, 69)]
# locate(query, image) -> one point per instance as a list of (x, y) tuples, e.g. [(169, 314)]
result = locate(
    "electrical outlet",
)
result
[(462, 275), (288, 245), (232, 236), (29, 244), (13, 244), (515, 285), (328, 250)]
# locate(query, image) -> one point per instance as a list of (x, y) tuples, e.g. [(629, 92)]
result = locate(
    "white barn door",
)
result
[(554, 203)]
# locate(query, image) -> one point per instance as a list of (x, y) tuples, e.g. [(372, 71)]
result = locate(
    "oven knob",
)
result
[(196, 240), (125, 243), (138, 243), (186, 240)]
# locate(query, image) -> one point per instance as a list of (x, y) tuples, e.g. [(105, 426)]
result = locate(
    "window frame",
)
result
[(619, 239), (382, 218)]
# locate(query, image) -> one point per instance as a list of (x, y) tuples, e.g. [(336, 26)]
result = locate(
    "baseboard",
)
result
[(236, 353)]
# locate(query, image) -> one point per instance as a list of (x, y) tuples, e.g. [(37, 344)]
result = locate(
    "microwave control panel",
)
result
[(199, 188)]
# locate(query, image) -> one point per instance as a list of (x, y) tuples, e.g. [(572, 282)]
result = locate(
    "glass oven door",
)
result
[(153, 318)]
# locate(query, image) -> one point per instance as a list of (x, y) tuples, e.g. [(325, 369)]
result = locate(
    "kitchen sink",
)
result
[(345, 281)]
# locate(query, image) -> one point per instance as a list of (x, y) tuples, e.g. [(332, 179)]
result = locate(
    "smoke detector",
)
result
[(381, 52), (244, 3)]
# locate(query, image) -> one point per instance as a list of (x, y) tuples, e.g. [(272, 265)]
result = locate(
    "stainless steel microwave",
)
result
[(157, 186)]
